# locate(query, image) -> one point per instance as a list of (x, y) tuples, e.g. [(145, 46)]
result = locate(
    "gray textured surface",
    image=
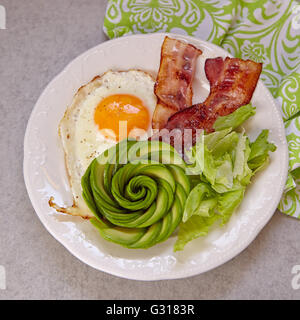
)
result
[(41, 38)]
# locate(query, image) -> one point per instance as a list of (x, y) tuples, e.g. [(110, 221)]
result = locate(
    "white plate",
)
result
[(45, 174)]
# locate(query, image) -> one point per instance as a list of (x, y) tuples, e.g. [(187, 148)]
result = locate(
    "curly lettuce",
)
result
[(222, 165)]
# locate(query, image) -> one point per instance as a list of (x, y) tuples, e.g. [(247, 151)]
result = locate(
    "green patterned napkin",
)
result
[(265, 31)]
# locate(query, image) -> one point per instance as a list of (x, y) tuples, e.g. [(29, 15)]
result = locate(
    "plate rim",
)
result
[(153, 277)]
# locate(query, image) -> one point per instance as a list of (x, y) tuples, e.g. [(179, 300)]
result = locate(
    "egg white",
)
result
[(81, 139)]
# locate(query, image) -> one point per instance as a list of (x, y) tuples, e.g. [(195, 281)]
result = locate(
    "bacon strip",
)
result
[(232, 83), (173, 86)]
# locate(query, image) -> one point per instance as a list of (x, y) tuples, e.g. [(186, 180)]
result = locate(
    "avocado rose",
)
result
[(137, 192)]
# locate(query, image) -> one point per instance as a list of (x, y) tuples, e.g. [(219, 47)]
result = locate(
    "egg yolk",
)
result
[(120, 116)]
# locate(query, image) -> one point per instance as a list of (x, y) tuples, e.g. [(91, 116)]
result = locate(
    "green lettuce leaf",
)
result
[(213, 138), (201, 191), (228, 202), (259, 155), (241, 170), (206, 207), (224, 174), (226, 144), (194, 228), (223, 164), (235, 119), (199, 225)]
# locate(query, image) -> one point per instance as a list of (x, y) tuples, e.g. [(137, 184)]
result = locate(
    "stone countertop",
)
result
[(41, 37)]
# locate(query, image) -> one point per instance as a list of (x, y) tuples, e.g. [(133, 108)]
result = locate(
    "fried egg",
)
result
[(108, 109)]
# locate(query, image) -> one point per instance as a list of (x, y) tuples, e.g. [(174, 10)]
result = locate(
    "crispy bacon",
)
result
[(173, 86), (232, 83)]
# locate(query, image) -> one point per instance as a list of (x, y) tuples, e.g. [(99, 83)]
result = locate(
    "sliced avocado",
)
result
[(138, 221), (180, 194), (170, 197), (158, 171), (144, 181), (100, 223), (137, 188), (161, 207), (167, 157), (87, 192), (123, 236), (176, 214), (124, 219), (103, 206), (149, 238), (115, 157), (97, 181), (180, 176), (164, 231), (141, 149), (142, 201)]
